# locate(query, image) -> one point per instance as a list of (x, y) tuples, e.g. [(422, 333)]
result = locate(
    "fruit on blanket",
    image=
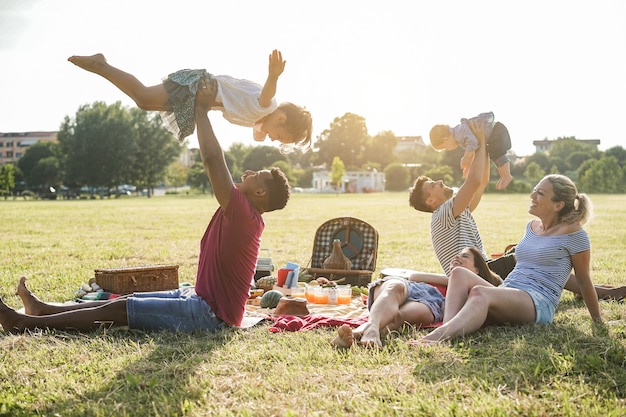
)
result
[(265, 283), (270, 299)]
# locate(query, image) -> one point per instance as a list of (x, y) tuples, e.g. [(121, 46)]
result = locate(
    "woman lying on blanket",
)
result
[(394, 301)]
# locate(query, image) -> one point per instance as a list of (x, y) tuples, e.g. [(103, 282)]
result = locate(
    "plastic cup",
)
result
[(281, 276), (298, 292)]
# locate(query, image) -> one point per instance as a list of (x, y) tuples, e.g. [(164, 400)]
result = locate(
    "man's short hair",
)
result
[(417, 197), (278, 190)]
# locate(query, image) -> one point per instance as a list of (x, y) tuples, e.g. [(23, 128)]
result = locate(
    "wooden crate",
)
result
[(146, 278)]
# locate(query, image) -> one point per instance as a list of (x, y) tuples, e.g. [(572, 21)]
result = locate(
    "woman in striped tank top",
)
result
[(553, 244)]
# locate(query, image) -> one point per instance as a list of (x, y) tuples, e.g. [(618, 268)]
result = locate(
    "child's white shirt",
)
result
[(240, 101)]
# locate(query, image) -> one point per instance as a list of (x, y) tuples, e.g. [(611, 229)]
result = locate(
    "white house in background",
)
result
[(353, 182)]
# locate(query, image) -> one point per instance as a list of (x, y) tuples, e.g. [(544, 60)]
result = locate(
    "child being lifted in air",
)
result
[(242, 102), (497, 140)]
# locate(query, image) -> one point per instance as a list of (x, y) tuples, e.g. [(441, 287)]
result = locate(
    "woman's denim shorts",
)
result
[(419, 292), (178, 310), (544, 309)]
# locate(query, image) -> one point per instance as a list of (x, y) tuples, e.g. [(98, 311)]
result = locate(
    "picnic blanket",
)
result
[(321, 315)]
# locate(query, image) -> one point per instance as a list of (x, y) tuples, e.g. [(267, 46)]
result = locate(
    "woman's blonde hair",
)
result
[(577, 207)]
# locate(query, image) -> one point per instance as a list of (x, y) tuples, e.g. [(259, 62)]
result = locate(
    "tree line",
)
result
[(104, 146)]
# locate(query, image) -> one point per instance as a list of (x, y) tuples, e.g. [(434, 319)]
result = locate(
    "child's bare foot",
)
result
[(371, 337), (9, 318), (91, 63), (503, 182), (32, 305), (344, 338)]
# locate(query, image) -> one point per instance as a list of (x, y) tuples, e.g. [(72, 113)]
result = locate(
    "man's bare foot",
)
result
[(344, 338), (92, 63), (609, 292), (32, 305), (503, 182), (9, 318), (371, 337), (606, 292)]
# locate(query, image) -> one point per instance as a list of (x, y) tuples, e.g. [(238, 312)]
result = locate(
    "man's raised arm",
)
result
[(210, 149), (472, 184)]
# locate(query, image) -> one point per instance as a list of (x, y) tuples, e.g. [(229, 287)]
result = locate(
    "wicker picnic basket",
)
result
[(146, 278), (358, 242)]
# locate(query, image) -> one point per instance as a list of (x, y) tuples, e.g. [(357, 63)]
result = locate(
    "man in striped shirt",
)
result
[(452, 226)]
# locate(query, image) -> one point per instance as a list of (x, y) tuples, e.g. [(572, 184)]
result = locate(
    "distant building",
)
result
[(544, 145), (409, 143), (14, 144), (352, 182), (188, 156)]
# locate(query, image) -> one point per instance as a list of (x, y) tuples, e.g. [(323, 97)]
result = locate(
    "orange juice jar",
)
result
[(344, 294), (310, 293), (321, 295)]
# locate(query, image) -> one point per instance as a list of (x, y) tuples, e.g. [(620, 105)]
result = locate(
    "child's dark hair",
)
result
[(437, 135), (278, 190), (299, 124)]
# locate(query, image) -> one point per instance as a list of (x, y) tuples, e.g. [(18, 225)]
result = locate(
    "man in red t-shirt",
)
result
[(226, 264)]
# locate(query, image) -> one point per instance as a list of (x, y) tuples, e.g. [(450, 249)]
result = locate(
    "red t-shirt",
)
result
[(228, 254)]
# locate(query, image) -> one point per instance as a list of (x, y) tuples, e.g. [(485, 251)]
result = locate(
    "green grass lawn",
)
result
[(570, 368)]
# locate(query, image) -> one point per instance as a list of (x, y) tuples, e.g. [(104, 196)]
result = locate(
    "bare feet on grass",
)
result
[(364, 335), (344, 338), (93, 63), (32, 305), (607, 292), (9, 318), (370, 337)]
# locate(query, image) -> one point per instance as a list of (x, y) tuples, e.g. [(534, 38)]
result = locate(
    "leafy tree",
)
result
[(566, 146), (235, 156), (603, 176), (379, 149), (396, 177), (346, 138), (533, 172), (442, 172), (575, 160), (337, 171), (32, 157), (619, 153), (452, 159), (262, 157), (155, 149), (540, 159), (46, 173), (98, 146), (176, 174), (197, 178), (7, 179)]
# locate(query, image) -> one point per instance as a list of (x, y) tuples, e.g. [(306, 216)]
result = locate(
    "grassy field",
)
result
[(570, 368)]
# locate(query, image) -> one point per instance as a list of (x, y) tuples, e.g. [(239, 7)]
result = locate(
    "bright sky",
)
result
[(545, 68)]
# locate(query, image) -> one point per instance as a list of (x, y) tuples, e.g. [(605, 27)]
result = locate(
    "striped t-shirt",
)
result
[(450, 235), (544, 263)]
